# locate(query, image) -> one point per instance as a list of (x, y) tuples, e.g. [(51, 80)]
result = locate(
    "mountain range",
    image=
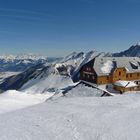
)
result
[(33, 70), (21, 62), (133, 51)]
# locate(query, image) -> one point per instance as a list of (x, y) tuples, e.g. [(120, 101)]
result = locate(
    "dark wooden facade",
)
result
[(87, 72)]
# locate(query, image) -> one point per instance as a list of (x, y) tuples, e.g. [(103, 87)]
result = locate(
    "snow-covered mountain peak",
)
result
[(73, 55), (20, 62), (22, 57), (137, 44), (133, 51)]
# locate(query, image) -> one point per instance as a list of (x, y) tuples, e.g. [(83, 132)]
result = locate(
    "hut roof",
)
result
[(106, 65)]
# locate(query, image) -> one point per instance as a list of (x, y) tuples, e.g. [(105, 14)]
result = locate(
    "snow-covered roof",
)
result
[(106, 65), (126, 84)]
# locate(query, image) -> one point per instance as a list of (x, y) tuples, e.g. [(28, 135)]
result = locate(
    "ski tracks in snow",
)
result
[(71, 124)]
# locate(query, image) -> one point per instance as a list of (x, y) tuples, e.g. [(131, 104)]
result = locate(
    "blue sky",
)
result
[(59, 27)]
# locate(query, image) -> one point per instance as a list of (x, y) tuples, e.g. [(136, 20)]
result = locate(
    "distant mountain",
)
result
[(16, 63), (40, 74), (68, 67), (133, 51), (22, 57)]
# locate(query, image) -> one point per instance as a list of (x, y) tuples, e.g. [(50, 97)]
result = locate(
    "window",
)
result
[(83, 75), (130, 75), (131, 89), (88, 69), (100, 82), (107, 78), (134, 65), (126, 75), (119, 73), (138, 74), (139, 63), (93, 77)]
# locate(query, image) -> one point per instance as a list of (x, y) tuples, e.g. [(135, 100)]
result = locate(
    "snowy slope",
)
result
[(13, 100), (79, 115), (84, 91), (88, 118), (66, 67), (52, 83), (4, 75), (53, 87)]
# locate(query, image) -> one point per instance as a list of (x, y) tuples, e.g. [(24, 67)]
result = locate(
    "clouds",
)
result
[(21, 14), (21, 11)]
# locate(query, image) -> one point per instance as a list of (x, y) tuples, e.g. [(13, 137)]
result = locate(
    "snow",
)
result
[(138, 43), (84, 91), (127, 69), (4, 75), (107, 67), (23, 56), (52, 82), (20, 62), (58, 65), (133, 51), (39, 111), (133, 63), (126, 84), (13, 100), (88, 118)]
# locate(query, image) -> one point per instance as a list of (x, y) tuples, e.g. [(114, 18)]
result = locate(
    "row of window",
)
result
[(88, 76), (88, 69), (120, 73), (131, 75)]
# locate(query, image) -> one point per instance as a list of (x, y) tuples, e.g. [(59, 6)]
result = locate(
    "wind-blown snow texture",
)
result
[(88, 118), (13, 100)]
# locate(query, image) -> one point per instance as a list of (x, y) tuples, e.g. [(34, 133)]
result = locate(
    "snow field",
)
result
[(108, 118), (13, 100)]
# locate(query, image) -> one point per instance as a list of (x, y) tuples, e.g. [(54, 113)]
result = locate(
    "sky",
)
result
[(59, 27)]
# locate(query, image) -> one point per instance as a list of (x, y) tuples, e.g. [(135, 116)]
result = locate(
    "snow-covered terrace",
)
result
[(126, 84)]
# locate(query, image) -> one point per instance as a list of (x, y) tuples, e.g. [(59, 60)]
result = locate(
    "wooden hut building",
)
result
[(109, 70)]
